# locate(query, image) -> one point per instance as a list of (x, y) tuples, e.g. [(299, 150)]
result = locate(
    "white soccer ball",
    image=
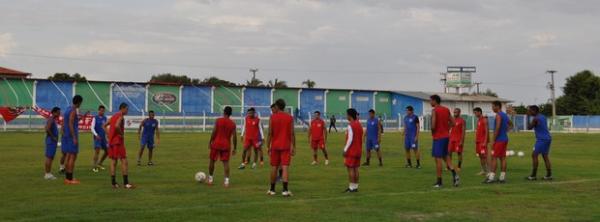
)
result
[(59, 144), (200, 177), (521, 154), (511, 153)]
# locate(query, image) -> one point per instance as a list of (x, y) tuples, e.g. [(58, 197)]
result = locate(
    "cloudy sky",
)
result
[(392, 45)]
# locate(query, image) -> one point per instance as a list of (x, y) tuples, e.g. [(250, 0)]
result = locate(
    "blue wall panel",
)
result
[(196, 100), (259, 98), (132, 94), (400, 102), (362, 101), (311, 100), (50, 94), (585, 121)]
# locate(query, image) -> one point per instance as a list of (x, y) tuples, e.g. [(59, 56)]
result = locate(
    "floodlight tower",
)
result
[(552, 96)]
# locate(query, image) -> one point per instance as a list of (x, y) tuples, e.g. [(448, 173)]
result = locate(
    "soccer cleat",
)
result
[(489, 181), (326, 162), (531, 178), (437, 185), (407, 166), (262, 163), (150, 163), (481, 173), (49, 176), (287, 193), (242, 166), (139, 163), (115, 186), (101, 167), (209, 182), (253, 165), (456, 181), (366, 164), (380, 164), (348, 190), (271, 193), (418, 167), (226, 184), (95, 170), (313, 163), (129, 186), (72, 182), (548, 178), (61, 170), (501, 181)]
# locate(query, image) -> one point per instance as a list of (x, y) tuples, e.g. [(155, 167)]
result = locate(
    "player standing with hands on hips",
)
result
[(148, 128), (116, 148), (441, 121)]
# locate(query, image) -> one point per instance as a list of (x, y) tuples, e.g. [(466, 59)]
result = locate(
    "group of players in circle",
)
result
[(448, 133)]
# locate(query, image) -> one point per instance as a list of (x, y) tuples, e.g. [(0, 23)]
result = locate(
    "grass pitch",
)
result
[(168, 192)]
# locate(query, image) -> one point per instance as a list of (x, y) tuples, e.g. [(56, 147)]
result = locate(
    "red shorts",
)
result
[(252, 142), (499, 149), (455, 147), (280, 157), (218, 154), (117, 151), (481, 149), (317, 144), (352, 162)]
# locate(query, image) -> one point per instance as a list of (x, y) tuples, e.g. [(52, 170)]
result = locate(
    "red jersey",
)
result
[(481, 133), (355, 148), (281, 131), (252, 128), (442, 126), (316, 129), (456, 134), (116, 137), (224, 129)]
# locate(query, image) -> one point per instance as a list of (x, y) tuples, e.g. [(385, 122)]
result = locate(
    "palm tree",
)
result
[(276, 83), (309, 83)]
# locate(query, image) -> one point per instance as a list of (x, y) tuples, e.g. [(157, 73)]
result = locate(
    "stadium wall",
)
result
[(227, 96), (16, 92), (259, 98), (337, 102), (49, 94), (362, 101), (400, 102), (383, 104), (133, 94), (164, 99), (311, 100), (289, 95), (94, 94), (196, 99)]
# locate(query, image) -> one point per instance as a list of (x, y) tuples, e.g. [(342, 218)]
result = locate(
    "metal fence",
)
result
[(203, 122)]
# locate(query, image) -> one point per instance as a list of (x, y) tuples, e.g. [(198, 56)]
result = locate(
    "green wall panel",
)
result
[(227, 96), (94, 94), (337, 101), (289, 95), (383, 103), (164, 99), (16, 92)]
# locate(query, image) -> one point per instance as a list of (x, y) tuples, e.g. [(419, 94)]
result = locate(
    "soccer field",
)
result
[(168, 192)]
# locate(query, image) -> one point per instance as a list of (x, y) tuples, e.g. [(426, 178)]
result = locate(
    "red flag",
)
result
[(9, 114), (85, 120)]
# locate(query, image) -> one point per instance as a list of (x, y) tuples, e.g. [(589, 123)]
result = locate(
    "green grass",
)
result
[(167, 191)]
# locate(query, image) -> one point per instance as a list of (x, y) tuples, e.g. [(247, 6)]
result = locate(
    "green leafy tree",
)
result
[(309, 83), (171, 78), (61, 76), (581, 95), (214, 81), (276, 83), (255, 82)]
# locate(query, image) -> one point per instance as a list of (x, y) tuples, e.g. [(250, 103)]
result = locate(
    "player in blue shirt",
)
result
[(70, 138), (411, 137), (99, 137), (373, 137), (543, 139), (51, 142), (502, 125), (148, 128)]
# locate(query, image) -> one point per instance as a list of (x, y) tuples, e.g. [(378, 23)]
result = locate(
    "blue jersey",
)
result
[(410, 126), (503, 131), (372, 128), (53, 129), (541, 128), (99, 121), (149, 127), (66, 120)]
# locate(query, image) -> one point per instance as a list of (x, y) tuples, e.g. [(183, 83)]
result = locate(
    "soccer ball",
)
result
[(521, 154), (200, 177), (59, 144), (511, 153)]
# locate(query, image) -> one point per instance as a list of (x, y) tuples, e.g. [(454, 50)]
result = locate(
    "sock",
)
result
[(548, 172), (272, 187), (350, 186), (418, 162), (285, 186), (502, 175), (125, 179), (113, 180), (356, 186), (226, 179), (408, 161), (69, 176), (534, 172), (453, 173), (380, 161), (491, 176), (460, 164), (62, 167), (439, 181)]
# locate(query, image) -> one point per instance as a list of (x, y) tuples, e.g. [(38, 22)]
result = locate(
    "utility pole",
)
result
[(444, 81), (552, 88), (253, 71), (477, 84)]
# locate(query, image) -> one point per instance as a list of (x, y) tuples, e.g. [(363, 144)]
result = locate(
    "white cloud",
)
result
[(237, 23), (6, 43), (541, 40), (111, 48)]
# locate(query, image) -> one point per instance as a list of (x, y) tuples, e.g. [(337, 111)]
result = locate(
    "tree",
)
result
[(276, 83), (489, 92), (581, 95), (171, 78), (309, 83), (214, 81), (255, 82), (61, 76)]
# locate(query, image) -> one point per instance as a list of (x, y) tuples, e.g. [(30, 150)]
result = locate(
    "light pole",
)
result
[(552, 88)]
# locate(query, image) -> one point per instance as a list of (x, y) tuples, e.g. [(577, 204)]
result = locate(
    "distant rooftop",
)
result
[(453, 96), (11, 73)]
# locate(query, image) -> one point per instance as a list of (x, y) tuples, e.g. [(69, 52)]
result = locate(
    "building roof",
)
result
[(11, 73), (453, 97)]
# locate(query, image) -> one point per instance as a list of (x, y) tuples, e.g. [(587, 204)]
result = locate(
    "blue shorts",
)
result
[(51, 149), (439, 148), (372, 144), (409, 144), (101, 143), (542, 147), (147, 142), (68, 146)]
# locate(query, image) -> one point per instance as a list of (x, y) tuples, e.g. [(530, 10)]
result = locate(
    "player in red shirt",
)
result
[(457, 137), (223, 135), (441, 121), (116, 148), (281, 144), (317, 136), (482, 139), (353, 149), (252, 135)]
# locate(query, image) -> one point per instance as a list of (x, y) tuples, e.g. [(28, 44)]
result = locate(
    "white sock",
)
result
[(62, 166), (210, 177), (226, 179), (491, 176), (356, 186), (502, 175), (350, 185)]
